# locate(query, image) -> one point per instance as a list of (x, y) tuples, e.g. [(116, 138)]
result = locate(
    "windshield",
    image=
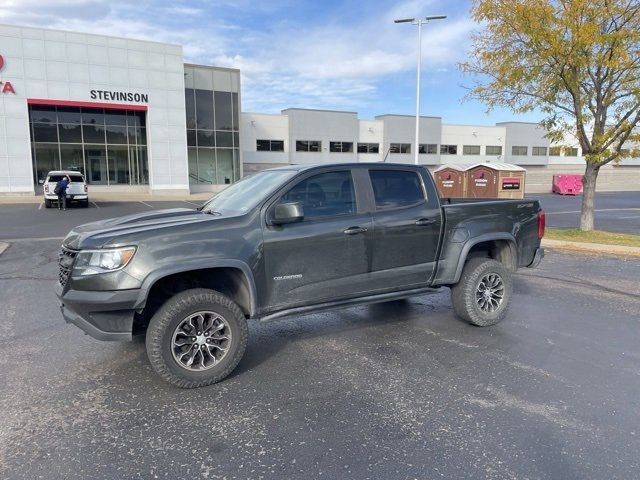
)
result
[(247, 193)]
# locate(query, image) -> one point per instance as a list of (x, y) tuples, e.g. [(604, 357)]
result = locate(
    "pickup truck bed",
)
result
[(287, 241)]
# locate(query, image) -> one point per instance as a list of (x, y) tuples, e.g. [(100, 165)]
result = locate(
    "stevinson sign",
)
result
[(5, 87)]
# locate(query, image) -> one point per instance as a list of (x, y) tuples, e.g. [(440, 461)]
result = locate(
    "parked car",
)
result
[(77, 191), (289, 241)]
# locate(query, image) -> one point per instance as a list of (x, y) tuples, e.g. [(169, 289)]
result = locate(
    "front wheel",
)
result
[(483, 294), (196, 338)]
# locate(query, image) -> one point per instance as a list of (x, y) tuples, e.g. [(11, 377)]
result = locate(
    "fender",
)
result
[(198, 264), (487, 237)]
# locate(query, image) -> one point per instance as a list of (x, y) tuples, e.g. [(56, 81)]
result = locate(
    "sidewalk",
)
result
[(114, 197)]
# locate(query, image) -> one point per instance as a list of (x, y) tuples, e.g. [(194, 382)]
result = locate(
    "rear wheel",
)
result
[(47, 203), (196, 338), (84, 203), (483, 294)]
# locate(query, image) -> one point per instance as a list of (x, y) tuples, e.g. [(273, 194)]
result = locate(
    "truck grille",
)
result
[(66, 258)]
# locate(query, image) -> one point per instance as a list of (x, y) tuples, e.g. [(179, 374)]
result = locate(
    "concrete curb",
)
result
[(3, 247), (591, 247)]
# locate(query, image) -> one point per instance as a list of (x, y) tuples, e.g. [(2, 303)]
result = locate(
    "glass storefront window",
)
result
[(47, 158), (204, 110), (225, 166), (107, 145), (191, 138), (72, 157), (206, 165), (118, 160), (224, 139), (224, 120), (93, 134), (69, 115), (45, 132), (70, 133), (206, 138), (193, 165), (213, 141), (190, 105), (116, 135), (93, 116), (42, 115), (96, 161), (135, 119), (236, 115)]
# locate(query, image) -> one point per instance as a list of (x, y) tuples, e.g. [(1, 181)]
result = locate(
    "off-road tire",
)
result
[(164, 322), (84, 204), (47, 203), (463, 294)]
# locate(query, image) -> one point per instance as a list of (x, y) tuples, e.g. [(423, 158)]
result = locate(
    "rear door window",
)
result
[(396, 188), (325, 194)]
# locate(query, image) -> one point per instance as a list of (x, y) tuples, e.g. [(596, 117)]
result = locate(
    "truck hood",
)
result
[(105, 233)]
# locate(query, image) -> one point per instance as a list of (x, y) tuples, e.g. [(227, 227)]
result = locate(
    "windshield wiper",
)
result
[(211, 212)]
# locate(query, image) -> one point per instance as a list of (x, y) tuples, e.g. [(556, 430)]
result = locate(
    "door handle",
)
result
[(425, 221), (354, 230)]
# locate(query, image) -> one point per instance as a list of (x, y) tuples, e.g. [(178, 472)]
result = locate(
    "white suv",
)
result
[(77, 190)]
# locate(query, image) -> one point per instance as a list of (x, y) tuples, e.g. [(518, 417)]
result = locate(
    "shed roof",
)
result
[(460, 168)]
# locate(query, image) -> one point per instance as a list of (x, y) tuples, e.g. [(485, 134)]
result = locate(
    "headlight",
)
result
[(91, 262)]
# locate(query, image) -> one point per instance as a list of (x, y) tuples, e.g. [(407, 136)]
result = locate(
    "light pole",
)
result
[(419, 22)]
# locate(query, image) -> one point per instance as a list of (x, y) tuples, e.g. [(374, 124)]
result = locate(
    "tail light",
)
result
[(46, 188), (86, 189), (541, 223)]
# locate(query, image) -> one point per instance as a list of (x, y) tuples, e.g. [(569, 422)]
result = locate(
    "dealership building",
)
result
[(129, 114), (311, 136), (133, 116)]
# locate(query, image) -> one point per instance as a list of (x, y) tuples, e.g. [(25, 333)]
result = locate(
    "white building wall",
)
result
[(58, 65), (527, 135), (325, 126), (370, 131), (259, 126), (482, 136), (402, 128)]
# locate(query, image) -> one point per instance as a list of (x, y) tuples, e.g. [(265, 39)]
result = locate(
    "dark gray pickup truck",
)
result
[(289, 241)]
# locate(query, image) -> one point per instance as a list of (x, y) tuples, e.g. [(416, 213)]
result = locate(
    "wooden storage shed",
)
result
[(450, 181), (495, 180)]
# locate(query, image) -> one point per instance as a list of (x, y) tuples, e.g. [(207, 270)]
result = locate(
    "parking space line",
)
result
[(96, 205), (192, 203), (599, 210), (145, 203), (40, 206)]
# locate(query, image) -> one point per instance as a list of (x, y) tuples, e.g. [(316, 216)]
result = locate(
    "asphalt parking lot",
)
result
[(615, 211), (396, 390)]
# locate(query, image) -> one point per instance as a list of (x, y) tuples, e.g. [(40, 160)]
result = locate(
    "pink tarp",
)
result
[(567, 184)]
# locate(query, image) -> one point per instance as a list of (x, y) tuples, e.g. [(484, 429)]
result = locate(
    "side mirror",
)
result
[(287, 213)]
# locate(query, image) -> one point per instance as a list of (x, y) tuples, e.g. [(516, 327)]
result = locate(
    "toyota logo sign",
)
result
[(5, 87)]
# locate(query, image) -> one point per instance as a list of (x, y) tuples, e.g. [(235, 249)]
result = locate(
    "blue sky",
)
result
[(343, 55)]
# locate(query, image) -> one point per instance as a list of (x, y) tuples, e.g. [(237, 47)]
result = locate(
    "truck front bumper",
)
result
[(105, 315), (537, 258)]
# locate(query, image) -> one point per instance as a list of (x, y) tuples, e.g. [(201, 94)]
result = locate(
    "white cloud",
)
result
[(284, 61)]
